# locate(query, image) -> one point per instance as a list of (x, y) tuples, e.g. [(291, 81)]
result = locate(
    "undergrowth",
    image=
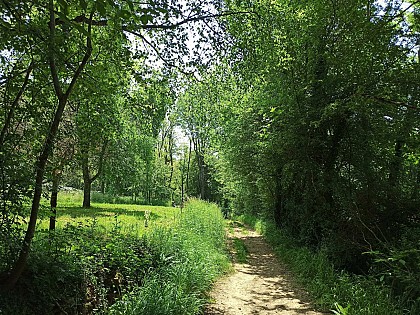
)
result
[(332, 290), (194, 253)]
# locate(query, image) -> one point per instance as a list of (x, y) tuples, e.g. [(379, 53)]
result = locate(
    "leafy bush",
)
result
[(399, 268)]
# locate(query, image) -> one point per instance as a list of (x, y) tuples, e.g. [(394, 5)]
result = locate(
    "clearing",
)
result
[(261, 285)]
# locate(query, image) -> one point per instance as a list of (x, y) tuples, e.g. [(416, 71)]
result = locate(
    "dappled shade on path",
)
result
[(262, 285)]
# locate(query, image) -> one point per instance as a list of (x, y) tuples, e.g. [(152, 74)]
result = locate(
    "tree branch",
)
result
[(389, 101), (90, 21), (191, 19), (165, 61), (101, 162), (15, 103), (83, 19), (85, 58), (53, 67)]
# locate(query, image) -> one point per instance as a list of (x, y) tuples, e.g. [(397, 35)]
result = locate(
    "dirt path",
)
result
[(262, 285)]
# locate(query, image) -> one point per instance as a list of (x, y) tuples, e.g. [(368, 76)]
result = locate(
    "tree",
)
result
[(317, 138)]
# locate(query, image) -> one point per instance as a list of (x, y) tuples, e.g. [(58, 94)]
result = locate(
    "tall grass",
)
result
[(331, 289), (194, 254)]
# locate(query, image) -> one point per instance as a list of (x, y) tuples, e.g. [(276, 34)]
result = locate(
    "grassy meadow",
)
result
[(130, 217), (103, 260)]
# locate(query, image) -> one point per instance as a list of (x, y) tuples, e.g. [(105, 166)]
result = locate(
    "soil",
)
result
[(262, 285)]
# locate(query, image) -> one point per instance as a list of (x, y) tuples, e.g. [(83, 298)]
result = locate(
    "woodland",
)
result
[(301, 113)]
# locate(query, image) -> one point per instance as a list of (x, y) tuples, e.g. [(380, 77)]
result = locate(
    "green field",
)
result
[(130, 218)]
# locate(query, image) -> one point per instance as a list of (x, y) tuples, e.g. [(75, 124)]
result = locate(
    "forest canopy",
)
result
[(305, 112)]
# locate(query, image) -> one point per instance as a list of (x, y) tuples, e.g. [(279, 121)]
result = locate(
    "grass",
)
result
[(103, 260), (332, 290), (195, 253), (241, 252), (104, 215)]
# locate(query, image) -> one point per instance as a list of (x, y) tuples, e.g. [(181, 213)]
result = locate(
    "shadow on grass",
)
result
[(94, 212)]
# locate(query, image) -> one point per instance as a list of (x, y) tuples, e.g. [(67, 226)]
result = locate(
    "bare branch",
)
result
[(191, 19), (165, 61), (15, 103)]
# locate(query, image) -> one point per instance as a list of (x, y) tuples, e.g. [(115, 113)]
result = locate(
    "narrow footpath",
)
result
[(261, 286)]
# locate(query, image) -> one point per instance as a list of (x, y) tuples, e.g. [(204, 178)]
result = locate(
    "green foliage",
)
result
[(339, 310), (398, 267), (79, 269)]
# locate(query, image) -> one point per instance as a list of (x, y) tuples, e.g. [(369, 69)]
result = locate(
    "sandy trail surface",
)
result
[(262, 285)]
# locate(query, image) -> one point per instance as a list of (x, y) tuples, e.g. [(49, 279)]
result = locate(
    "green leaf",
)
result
[(80, 28), (130, 4), (63, 17), (162, 10), (125, 14)]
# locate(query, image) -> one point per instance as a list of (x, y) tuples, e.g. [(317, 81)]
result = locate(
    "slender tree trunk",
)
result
[(53, 199), (182, 192), (20, 263), (87, 184), (201, 176), (171, 158), (102, 186), (188, 167)]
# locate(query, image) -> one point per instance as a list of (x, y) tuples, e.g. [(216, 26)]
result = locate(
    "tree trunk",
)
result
[(103, 186), (87, 180), (87, 187), (87, 183), (202, 180), (15, 104), (53, 200), (188, 168), (20, 263)]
